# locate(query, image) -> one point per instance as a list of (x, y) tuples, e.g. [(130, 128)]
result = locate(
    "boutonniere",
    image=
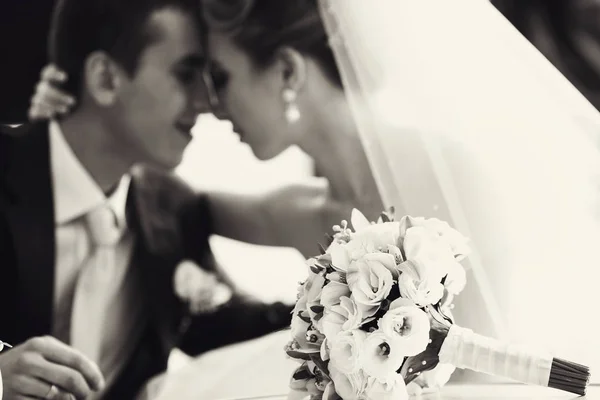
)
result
[(200, 289)]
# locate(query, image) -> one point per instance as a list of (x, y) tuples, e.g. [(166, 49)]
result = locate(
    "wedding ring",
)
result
[(52, 393)]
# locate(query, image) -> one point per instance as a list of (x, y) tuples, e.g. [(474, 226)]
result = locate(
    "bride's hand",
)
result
[(48, 100)]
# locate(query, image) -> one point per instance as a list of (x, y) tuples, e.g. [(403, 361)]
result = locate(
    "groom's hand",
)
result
[(30, 369)]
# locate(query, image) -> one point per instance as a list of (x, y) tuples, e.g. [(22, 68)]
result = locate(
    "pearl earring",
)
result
[(292, 112)]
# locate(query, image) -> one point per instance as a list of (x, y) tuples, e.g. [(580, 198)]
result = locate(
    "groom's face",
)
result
[(157, 107)]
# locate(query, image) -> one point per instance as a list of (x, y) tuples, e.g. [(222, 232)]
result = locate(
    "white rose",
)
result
[(370, 283), (199, 288), (394, 389), (332, 294), (189, 277), (417, 284), (457, 242), (423, 244), (348, 387), (345, 352), (408, 324), (382, 356), (373, 239), (370, 259), (343, 317)]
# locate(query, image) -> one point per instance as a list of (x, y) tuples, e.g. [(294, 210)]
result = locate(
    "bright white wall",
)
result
[(217, 159)]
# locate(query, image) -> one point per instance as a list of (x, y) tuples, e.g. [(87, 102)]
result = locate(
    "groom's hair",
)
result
[(121, 28)]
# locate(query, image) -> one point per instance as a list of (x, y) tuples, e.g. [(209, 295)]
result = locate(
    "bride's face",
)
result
[(250, 97)]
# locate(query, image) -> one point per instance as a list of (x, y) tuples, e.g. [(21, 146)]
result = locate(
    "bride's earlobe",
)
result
[(294, 77), (292, 112), (294, 68)]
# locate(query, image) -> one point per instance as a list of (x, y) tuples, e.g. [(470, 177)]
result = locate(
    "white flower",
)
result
[(340, 259), (374, 238), (345, 352), (394, 389), (348, 387), (407, 325), (304, 379), (370, 283), (420, 243), (342, 317), (328, 394), (324, 351), (332, 294), (300, 325), (371, 259), (432, 380), (382, 356), (429, 260), (457, 242), (416, 283), (358, 220), (456, 280), (199, 288), (313, 295)]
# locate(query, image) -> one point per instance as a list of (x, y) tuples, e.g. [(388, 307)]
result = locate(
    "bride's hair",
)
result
[(261, 27)]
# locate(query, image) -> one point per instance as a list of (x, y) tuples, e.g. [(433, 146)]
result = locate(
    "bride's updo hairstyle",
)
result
[(261, 27)]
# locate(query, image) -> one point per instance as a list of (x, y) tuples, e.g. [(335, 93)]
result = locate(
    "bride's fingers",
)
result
[(51, 73), (38, 112), (47, 94)]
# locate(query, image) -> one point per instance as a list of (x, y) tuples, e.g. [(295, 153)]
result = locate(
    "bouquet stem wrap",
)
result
[(465, 349)]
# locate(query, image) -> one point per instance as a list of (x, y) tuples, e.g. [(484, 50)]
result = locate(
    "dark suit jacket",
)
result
[(171, 222), (24, 27)]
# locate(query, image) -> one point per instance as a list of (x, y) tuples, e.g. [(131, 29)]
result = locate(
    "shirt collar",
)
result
[(75, 191)]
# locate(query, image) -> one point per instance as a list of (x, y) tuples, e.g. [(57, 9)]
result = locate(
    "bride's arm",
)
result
[(295, 215)]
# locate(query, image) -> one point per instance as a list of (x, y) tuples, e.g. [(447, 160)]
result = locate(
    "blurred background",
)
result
[(567, 32)]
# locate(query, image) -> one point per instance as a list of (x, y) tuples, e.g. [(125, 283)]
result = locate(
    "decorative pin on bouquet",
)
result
[(373, 316)]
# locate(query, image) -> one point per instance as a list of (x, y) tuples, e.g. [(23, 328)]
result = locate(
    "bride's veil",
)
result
[(464, 120)]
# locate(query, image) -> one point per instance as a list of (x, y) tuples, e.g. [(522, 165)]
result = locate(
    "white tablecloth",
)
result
[(260, 370), (250, 369)]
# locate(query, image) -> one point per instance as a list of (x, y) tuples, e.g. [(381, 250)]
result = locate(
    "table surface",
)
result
[(259, 370), (479, 392)]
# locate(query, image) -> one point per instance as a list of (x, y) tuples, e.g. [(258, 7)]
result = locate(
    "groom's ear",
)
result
[(293, 68), (102, 78)]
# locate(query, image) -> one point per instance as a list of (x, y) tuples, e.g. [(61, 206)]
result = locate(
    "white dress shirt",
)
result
[(76, 194)]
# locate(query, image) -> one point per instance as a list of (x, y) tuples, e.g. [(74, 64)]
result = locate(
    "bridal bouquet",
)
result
[(373, 316)]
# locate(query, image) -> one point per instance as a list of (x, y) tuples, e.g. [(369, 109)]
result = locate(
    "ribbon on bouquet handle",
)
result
[(465, 349)]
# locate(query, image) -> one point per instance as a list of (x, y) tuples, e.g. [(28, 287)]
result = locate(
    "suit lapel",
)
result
[(158, 251), (30, 215)]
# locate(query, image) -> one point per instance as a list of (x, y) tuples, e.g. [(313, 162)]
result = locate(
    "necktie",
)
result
[(96, 284)]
